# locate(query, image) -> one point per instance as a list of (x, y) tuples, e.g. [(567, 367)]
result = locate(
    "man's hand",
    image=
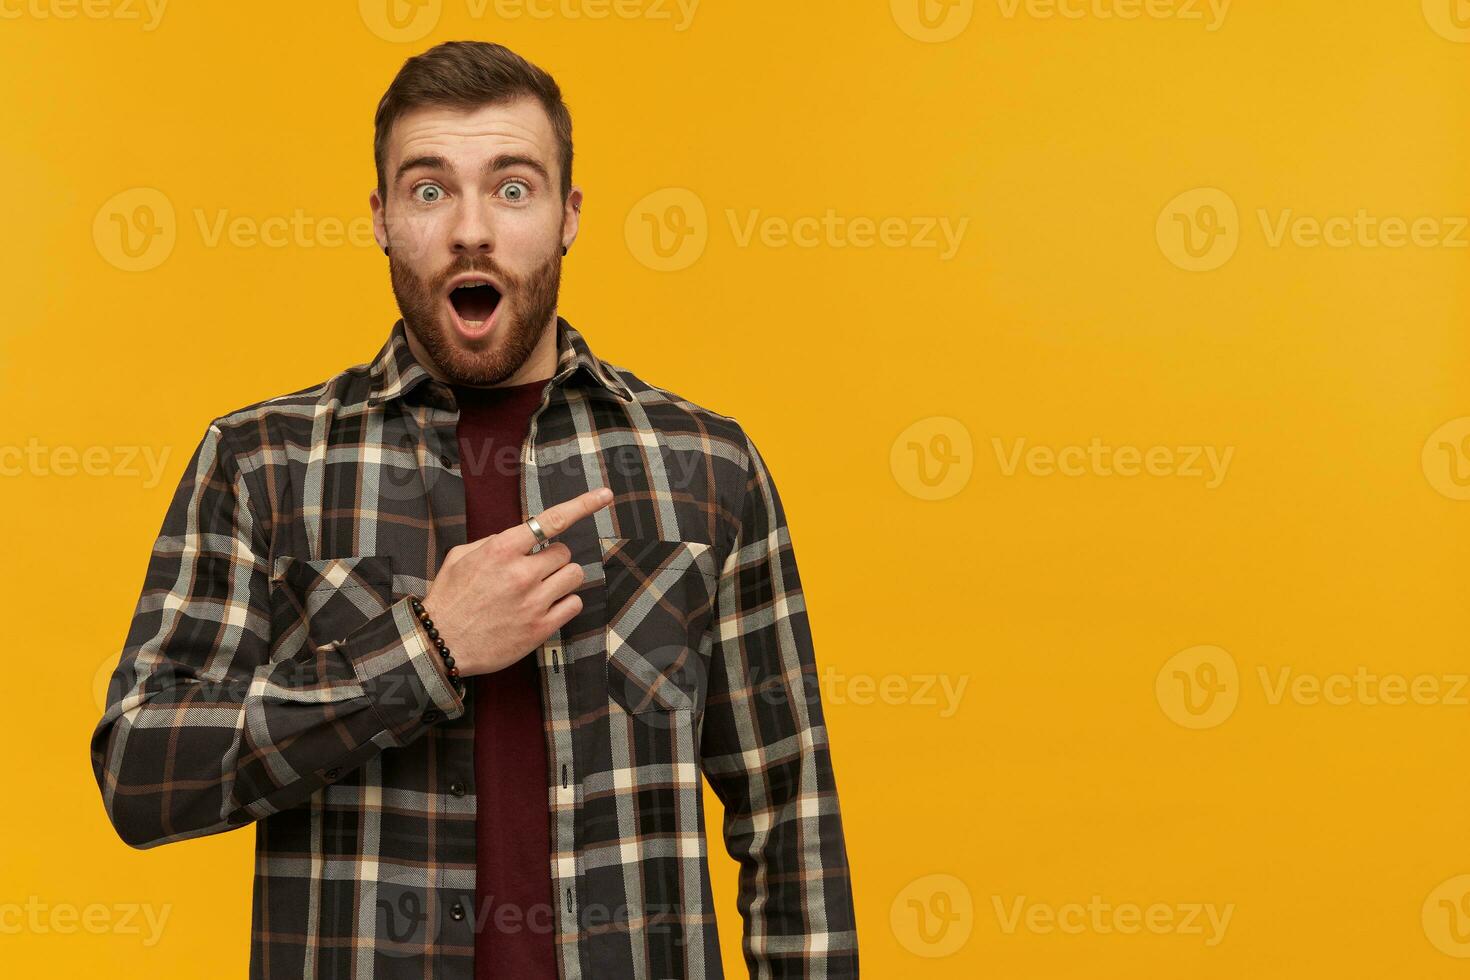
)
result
[(493, 601)]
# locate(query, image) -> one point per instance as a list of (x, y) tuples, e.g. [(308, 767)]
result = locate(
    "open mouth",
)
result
[(474, 302)]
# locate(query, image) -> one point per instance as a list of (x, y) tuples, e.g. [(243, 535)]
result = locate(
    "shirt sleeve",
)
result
[(764, 750), (203, 731)]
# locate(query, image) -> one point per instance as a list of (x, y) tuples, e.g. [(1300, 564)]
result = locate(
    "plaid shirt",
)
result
[(274, 674)]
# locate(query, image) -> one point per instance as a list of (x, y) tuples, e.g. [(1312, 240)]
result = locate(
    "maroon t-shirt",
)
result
[(513, 889)]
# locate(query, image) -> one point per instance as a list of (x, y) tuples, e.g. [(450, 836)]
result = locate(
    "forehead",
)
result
[(466, 137)]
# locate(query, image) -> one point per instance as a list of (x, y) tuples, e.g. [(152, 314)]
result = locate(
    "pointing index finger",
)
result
[(558, 517)]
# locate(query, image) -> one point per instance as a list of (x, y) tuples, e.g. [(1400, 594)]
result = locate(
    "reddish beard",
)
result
[(527, 305)]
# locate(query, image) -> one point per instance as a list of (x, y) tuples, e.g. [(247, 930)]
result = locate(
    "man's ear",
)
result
[(571, 218), (380, 224)]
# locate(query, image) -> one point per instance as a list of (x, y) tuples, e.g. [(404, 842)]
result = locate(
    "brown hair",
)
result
[(467, 75)]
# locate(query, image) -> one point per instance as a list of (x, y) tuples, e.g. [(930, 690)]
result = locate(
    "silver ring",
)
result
[(541, 539)]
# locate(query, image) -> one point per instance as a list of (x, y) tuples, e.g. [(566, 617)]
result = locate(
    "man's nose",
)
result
[(472, 231)]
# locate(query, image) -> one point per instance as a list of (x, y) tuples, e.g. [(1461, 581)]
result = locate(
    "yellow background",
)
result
[(1334, 544)]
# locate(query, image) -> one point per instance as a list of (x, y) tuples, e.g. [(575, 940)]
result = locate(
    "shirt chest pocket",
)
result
[(660, 597), (319, 600)]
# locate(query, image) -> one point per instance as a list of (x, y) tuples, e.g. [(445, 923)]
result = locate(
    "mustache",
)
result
[(486, 266)]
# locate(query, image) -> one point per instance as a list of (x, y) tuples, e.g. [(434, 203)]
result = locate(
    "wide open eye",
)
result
[(428, 193), (516, 191)]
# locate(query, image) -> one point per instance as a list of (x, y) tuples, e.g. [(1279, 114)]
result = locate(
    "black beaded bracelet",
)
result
[(423, 615)]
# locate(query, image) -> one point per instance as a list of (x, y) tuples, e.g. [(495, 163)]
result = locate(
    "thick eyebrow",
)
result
[(504, 161)]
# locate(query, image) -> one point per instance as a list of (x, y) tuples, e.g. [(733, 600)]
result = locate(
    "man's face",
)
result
[(476, 224)]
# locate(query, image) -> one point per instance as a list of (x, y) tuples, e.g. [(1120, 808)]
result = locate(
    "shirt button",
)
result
[(433, 715), (448, 463), (456, 912), (332, 773), (457, 788)]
